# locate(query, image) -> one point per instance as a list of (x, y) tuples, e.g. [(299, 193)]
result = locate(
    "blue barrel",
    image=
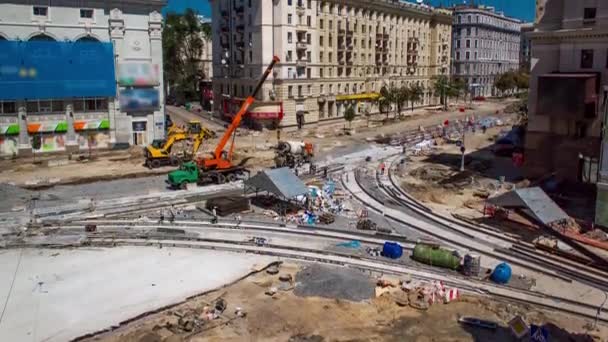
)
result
[(501, 274), (392, 250)]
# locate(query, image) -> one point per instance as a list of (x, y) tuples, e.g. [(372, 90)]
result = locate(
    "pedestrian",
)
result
[(311, 168), (162, 216), (214, 220), (238, 220), (403, 150), (347, 178), (483, 129), (296, 171), (382, 166), (171, 214), (325, 172)]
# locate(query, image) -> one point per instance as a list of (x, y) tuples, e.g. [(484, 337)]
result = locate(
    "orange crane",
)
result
[(220, 159)]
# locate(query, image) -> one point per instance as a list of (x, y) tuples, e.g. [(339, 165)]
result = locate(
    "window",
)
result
[(250, 56), (57, 106), (308, 56), (308, 21), (86, 13), (331, 59), (289, 56), (309, 4), (469, 19), (41, 11), (589, 14), (468, 44), (331, 41), (476, 43), (249, 4), (308, 73), (458, 44), (331, 24), (475, 55), (468, 31), (320, 40), (587, 59), (308, 38), (321, 24), (290, 91), (289, 19), (309, 90), (320, 56), (289, 2), (8, 108), (289, 37), (459, 19), (300, 91), (321, 75), (468, 55), (477, 18)]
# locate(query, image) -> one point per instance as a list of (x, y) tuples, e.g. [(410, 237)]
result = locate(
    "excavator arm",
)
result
[(218, 160)]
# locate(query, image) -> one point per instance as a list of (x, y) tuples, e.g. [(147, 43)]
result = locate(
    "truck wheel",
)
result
[(183, 185), (220, 179), (231, 178), (148, 163), (174, 162), (155, 163)]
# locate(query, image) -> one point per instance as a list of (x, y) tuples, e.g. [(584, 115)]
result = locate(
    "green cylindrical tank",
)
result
[(435, 256)]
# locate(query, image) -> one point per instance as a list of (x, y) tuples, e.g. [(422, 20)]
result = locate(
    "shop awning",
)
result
[(362, 96), (280, 182)]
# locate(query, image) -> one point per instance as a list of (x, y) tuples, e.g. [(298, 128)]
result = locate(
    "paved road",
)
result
[(182, 116)]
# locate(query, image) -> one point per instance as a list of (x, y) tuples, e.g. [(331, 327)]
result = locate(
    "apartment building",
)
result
[(525, 49), (486, 44), (334, 54), (77, 75), (568, 95)]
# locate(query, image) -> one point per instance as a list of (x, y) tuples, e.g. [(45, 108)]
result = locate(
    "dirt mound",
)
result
[(431, 174), (136, 152)]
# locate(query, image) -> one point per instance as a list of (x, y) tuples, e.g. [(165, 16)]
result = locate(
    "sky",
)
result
[(521, 9)]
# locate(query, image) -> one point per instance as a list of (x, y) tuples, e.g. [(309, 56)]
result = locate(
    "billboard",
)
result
[(48, 70), (138, 100), (138, 74)]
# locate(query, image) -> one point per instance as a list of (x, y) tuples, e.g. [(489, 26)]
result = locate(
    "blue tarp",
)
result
[(48, 70)]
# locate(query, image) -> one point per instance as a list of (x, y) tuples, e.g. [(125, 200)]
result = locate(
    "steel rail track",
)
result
[(534, 264), (425, 273), (519, 248)]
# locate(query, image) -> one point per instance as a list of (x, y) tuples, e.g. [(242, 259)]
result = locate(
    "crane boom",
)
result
[(218, 160)]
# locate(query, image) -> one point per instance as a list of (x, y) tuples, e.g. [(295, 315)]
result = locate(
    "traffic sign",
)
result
[(538, 334)]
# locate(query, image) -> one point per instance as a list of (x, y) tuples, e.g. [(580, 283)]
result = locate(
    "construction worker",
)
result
[(214, 219), (382, 166), (162, 216), (172, 214)]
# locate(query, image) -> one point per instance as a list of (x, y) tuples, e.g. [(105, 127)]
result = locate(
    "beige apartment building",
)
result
[(568, 95), (334, 54)]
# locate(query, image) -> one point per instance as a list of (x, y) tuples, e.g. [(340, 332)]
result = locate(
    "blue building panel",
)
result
[(50, 70)]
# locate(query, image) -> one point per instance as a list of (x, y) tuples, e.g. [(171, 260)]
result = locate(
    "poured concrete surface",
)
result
[(62, 294)]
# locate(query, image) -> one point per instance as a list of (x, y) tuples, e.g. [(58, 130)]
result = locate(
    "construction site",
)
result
[(419, 227)]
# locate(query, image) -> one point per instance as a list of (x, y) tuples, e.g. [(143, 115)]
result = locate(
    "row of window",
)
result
[(495, 55), (486, 44), (56, 106), (480, 69), (43, 12), (493, 35), (487, 20)]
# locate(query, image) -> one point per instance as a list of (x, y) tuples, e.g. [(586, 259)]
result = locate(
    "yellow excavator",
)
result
[(159, 152)]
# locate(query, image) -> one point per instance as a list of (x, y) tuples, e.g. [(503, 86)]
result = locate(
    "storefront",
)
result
[(9, 139), (92, 134), (140, 132), (47, 136), (266, 114), (360, 102)]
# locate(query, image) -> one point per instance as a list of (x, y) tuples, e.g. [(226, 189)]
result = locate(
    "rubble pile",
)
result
[(415, 293), (566, 225)]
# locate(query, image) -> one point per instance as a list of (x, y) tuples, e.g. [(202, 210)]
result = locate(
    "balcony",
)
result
[(239, 10), (302, 28), (301, 45), (381, 36), (300, 9), (240, 28), (301, 63)]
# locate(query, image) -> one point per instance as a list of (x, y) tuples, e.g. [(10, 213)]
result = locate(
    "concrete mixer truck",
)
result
[(293, 153)]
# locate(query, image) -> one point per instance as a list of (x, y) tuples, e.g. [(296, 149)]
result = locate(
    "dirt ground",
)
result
[(435, 178), (117, 164), (287, 317)]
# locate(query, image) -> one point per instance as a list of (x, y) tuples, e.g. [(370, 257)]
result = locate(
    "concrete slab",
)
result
[(62, 294)]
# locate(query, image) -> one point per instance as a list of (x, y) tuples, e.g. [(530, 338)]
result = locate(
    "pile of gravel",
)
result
[(319, 280)]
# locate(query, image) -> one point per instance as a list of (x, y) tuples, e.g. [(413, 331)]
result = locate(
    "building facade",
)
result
[(525, 47), (568, 95), (334, 54), (486, 44), (80, 75)]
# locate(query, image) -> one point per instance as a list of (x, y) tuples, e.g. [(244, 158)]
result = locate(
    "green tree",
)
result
[(182, 47), (416, 94), (505, 82), (442, 89), (349, 115), (458, 87), (385, 100), (522, 80), (400, 97)]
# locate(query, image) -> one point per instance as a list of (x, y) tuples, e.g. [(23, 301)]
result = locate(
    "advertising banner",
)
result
[(138, 100), (138, 74)]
